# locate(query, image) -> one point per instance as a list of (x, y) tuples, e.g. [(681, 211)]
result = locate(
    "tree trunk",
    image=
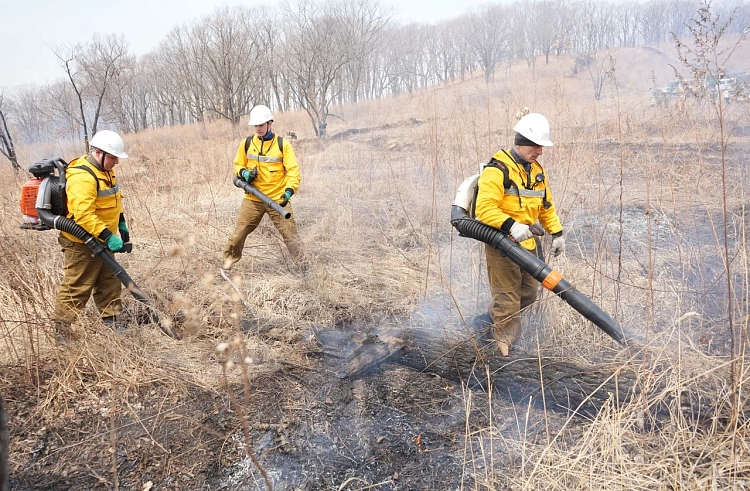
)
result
[(7, 147)]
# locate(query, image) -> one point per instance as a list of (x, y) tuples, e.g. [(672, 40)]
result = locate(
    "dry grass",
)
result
[(636, 188)]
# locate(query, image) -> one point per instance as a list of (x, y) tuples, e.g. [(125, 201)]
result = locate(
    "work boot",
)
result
[(115, 323), (226, 266), (481, 325), (300, 267), (64, 334), (501, 339), (503, 347)]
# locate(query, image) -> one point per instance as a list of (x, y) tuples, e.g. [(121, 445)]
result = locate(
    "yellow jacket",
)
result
[(521, 198), (277, 169), (91, 209)]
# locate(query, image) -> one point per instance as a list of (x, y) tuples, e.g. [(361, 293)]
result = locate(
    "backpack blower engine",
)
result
[(44, 205)]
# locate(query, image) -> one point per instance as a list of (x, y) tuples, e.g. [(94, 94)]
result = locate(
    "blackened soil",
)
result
[(395, 429)]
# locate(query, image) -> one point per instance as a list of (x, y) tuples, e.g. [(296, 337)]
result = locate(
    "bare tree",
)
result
[(489, 37), (460, 29), (550, 22), (269, 41), (387, 64), (592, 27), (404, 60), (182, 63), (67, 58), (522, 43), (442, 46), (595, 64), (104, 59), (176, 79), (652, 25), (230, 45), (315, 56), (31, 123), (6, 140), (61, 106), (626, 16), (131, 96), (363, 23), (91, 69)]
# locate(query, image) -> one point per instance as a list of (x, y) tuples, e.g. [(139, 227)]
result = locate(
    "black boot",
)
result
[(115, 323), (64, 334)]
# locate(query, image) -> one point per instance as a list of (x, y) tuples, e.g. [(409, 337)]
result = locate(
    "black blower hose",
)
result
[(67, 225), (550, 279)]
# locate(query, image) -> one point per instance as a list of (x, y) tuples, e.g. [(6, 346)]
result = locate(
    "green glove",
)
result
[(288, 192), (249, 175), (124, 232), (114, 243)]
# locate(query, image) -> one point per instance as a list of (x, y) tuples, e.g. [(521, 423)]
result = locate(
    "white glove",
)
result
[(558, 246), (520, 232)]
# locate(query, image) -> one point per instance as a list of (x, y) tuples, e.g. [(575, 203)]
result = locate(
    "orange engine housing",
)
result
[(29, 192)]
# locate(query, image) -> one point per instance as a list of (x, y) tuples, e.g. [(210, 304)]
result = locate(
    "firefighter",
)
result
[(513, 195), (94, 203), (268, 163)]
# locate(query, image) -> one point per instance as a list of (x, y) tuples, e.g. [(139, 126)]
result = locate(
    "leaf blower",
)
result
[(47, 190), (250, 189), (550, 279)]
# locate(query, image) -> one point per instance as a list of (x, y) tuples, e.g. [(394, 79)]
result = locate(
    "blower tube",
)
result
[(551, 280), (250, 189), (67, 225)]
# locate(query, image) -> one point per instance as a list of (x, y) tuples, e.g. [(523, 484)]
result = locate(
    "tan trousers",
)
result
[(250, 214), (85, 276), (512, 291)]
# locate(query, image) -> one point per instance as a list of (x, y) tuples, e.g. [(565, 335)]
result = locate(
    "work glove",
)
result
[(114, 243), (249, 175), (558, 246), (537, 230), (520, 232), (288, 192), (124, 232)]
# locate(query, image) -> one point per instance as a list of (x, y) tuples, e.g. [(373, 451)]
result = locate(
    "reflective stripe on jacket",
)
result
[(91, 209), (523, 200), (277, 169)]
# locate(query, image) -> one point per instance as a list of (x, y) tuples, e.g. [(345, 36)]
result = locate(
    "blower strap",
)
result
[(96, 180), (249, 140)]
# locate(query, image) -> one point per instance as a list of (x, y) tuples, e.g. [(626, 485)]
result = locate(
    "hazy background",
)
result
[(28, 30)]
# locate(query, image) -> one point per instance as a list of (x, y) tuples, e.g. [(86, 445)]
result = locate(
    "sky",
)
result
[(31, 29)]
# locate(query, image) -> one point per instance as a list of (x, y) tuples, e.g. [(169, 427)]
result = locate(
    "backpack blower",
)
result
[(44, 205), (468, 226)]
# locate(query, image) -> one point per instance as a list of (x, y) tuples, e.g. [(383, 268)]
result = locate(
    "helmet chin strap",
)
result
[(98, 163), (269, 132), (104, 157)]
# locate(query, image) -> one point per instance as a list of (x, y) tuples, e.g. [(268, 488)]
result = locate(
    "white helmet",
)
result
[(259, 115), (534, 127), (109, 142)]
